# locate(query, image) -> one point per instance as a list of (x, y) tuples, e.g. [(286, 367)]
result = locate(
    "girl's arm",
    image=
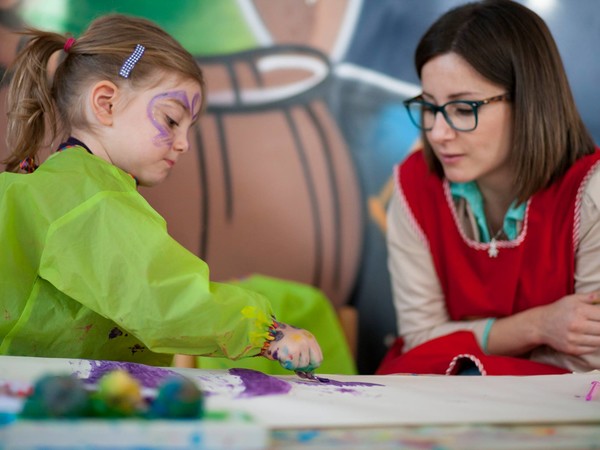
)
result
[(113, 255)]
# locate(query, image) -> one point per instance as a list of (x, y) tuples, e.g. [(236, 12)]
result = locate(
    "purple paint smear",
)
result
[(147, 376), (345, 387), (345, 384), (257, 383)]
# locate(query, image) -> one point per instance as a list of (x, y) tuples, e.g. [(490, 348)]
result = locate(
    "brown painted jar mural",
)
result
[(274, 188)]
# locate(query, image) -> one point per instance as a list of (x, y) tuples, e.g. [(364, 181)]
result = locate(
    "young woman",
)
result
[(494, 239)]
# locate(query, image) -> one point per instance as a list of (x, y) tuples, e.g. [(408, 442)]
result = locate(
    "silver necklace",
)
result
[(493, 250)]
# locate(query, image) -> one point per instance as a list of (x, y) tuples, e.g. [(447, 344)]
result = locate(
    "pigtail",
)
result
[(46, 104), (32, 117)]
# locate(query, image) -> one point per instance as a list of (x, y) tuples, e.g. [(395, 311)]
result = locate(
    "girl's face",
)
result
[(152, 128), (482, 154)]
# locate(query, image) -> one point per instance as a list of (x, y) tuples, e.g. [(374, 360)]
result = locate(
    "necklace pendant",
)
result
[(493, 250)]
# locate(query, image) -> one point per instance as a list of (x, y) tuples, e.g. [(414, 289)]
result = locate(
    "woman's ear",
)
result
[(103, 96)]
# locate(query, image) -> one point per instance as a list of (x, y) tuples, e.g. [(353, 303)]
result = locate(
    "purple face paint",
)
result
[(258, 384), (195, 104), (165, 136), (147, 376)]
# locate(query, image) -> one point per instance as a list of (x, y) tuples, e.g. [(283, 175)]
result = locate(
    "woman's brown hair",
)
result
[(511, 46), (42, 105)]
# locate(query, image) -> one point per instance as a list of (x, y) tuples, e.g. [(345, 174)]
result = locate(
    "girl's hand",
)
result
[(294, 348), (572, 324)]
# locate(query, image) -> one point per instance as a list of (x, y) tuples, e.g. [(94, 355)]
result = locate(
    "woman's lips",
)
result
[(450, 159)]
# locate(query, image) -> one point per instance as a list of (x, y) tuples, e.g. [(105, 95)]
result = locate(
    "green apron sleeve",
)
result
[(303, 306), (113, 255)]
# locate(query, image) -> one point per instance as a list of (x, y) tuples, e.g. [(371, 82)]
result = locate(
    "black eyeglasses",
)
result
[(461, 115)]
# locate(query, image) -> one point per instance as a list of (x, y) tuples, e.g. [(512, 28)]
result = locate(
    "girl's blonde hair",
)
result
[(41, 105)]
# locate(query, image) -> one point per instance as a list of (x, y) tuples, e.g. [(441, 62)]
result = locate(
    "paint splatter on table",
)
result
[(284, 402), (237, 382)]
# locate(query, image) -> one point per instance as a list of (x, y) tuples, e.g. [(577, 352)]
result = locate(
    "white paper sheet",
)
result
[(389, 400)]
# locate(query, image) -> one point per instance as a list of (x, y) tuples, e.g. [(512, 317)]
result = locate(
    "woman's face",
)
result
[(480, 155)]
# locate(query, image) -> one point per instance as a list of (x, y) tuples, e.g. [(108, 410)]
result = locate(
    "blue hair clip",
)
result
[(130, 62)]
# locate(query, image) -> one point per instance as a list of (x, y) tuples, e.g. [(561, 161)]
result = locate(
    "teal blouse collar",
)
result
[(471, 193)]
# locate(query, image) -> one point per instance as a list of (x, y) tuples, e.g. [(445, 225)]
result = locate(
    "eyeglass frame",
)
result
[(475, 104)]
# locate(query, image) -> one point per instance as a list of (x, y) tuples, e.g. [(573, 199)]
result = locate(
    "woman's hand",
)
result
[(294, 348), (572, 324)]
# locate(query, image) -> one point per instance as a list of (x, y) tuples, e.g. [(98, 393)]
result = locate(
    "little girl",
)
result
[(88, 268)]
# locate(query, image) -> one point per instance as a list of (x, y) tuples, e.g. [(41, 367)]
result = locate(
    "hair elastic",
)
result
[(130, 62), (69, 44)]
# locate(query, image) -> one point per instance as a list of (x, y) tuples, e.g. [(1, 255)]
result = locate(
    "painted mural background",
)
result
[(289, 174)]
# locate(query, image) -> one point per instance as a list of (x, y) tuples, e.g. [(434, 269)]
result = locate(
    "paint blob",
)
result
[(147, 376), (258, 384)]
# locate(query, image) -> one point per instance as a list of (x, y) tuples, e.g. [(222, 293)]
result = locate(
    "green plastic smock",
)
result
[(306, 307), (88, 270)]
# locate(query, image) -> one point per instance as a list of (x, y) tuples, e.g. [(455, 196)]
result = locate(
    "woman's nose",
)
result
[(441, 128)]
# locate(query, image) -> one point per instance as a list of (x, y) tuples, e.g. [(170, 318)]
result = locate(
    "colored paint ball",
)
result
[(118, 395), (57, 396), (178, 398)]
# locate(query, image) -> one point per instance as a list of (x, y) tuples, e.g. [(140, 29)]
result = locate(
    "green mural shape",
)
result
[(204, 27)]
